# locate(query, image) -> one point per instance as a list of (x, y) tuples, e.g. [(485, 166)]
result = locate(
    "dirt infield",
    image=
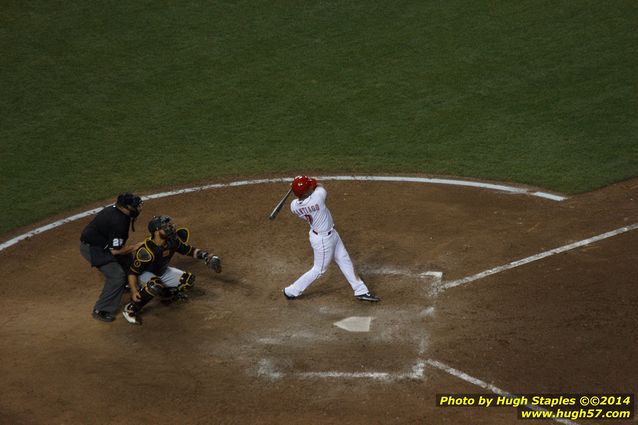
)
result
[(239, 353)]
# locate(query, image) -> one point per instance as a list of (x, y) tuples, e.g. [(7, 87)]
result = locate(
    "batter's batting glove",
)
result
[(214, 263)]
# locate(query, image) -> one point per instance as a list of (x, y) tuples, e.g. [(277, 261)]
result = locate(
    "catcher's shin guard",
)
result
[(186, 281), (152, 288)]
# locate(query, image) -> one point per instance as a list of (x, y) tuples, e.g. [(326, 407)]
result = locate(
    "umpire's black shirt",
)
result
[(108, 230)]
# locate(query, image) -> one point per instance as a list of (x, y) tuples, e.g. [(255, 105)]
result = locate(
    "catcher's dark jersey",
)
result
[(153, 258), (108, 230)]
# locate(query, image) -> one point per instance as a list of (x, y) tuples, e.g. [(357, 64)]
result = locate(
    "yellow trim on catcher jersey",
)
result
[(144, 254)]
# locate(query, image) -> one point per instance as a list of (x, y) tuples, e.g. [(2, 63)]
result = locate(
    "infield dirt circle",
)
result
[(239, 353)]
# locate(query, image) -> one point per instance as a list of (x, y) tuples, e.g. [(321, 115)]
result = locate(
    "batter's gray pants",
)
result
[(114, 283)]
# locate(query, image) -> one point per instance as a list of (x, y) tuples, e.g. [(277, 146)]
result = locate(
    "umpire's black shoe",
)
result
[(104, 316), (288, 297), (368, 296)]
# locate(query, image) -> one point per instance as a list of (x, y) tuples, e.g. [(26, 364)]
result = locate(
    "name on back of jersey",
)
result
[(307, 210)]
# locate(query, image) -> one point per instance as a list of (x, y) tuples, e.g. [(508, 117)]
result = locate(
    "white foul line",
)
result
[(475, 381), (453, 283), (452, 182)]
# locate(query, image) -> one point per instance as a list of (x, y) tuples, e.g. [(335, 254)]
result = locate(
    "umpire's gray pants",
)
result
[(114, 283)]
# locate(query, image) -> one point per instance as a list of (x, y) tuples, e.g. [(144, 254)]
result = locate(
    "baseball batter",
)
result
[(326, 243)]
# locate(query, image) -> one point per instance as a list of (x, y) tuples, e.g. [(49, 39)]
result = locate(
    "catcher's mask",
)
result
[(302, 185), (162, 222)]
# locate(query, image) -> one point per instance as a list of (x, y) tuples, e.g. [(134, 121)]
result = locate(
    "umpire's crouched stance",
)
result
[(103, 245)]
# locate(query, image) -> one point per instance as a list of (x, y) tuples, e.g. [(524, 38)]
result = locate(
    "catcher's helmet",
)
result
[(301, 185), (161, 222)]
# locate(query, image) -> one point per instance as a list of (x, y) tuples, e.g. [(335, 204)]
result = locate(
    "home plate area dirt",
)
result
[(240, 353)]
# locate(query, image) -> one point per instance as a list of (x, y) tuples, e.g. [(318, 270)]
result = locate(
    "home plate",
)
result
[(355, 324)]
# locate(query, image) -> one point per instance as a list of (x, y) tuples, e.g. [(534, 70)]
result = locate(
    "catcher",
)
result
[(151, 276)]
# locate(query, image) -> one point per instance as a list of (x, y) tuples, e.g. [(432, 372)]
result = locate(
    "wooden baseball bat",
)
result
[(279, 205)]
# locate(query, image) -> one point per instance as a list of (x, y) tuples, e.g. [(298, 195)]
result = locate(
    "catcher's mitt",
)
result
[(214, 263)]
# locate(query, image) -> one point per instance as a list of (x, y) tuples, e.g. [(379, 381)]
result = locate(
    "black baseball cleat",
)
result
[(368, 296), (288, 297), (103, 316)]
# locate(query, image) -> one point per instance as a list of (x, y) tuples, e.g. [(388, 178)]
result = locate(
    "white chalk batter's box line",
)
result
[(449, 182), (268, 371)]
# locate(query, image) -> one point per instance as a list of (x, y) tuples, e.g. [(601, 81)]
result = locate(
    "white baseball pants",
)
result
[(326, 247), (170, 278)]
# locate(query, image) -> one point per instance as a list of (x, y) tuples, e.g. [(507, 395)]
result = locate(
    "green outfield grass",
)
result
[(101, 97)]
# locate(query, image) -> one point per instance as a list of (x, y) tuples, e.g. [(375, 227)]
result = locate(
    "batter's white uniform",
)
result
[(326, 244)]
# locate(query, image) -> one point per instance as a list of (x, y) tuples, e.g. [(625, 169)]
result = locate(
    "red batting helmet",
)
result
[(301, 185)]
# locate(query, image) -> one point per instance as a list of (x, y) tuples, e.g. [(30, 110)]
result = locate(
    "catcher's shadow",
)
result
[(228, 282)]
